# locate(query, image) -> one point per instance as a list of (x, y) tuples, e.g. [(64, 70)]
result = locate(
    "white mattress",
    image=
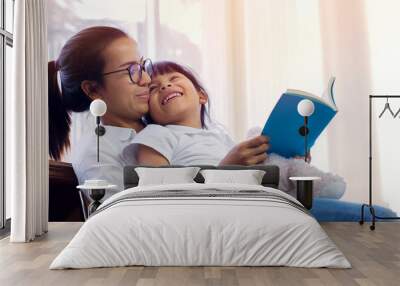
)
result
[(189, 230)]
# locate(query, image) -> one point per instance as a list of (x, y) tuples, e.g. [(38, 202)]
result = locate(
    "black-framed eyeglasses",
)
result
[(135, 70)]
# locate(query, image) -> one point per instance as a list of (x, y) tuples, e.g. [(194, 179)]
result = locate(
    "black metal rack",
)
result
[(369, 205)]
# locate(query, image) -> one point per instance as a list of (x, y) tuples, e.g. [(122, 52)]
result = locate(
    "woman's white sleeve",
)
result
[(157, 137), (108, 169)]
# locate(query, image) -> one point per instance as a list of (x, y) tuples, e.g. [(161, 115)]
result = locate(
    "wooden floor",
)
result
[(374, 255)]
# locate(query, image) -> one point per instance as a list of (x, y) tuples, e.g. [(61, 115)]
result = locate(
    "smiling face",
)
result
[(175, 100), (126, 102)]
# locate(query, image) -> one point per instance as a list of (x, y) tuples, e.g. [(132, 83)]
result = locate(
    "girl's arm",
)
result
[(250, 152), (153, 146), (148, 156)]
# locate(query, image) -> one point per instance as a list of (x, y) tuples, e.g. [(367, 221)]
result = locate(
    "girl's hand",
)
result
[(250, 152), (302, 158)]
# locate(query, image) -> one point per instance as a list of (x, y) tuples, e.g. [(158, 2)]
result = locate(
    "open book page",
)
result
[(328, 93), (327, 97)]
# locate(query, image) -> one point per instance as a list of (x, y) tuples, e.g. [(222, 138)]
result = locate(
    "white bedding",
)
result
[(181, 231)]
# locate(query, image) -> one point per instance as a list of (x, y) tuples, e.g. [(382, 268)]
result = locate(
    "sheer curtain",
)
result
[(300, 44), (27, 128), (345, 39), (248, 52), (252, 51)]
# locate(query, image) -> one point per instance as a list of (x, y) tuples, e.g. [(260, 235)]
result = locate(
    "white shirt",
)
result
[(182, 145), (110, 167)]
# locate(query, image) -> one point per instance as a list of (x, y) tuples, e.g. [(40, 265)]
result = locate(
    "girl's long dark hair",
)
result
[(163, 67), (80, 59)]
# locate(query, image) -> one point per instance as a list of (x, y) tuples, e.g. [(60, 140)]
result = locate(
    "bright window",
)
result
[(6, 43)]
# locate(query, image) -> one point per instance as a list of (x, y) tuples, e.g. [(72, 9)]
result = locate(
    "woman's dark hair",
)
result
[(80, 59), (160, 68)]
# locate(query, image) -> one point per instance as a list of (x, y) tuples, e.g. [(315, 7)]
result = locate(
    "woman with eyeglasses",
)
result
[(98, 62)]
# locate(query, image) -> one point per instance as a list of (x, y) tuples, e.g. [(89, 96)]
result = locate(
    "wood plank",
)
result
[(375, 257)]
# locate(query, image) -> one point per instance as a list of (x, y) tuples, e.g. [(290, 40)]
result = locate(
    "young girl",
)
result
[(181, 135)]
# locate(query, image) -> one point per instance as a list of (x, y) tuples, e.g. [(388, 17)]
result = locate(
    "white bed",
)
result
[(224, 225)]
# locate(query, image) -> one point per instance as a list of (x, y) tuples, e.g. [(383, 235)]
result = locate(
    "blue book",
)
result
[(282, 126)]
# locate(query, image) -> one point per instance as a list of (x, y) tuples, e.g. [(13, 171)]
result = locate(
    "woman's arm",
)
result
[(148, 156), (250, 152)]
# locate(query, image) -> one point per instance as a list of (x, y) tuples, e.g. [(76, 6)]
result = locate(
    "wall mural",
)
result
[(126, 89)]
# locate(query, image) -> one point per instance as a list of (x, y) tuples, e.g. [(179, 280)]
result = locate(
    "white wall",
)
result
[(384, 45)]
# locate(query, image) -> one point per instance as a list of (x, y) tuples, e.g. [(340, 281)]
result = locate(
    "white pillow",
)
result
[(248, 177), (163, 176)]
